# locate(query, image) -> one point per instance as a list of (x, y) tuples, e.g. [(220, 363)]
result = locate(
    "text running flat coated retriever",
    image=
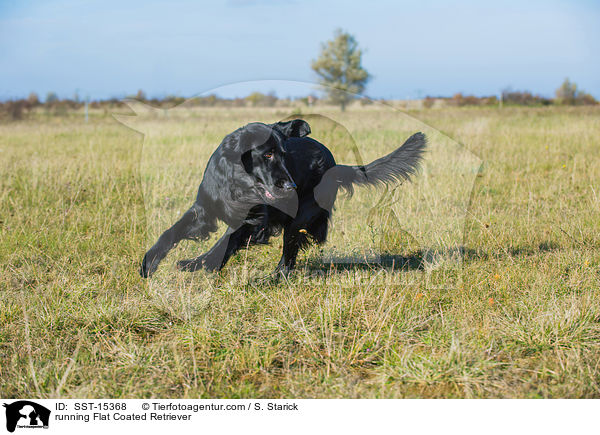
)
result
[(267, 177)]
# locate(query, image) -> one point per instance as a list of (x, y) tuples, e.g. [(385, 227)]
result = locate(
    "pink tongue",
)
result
[(268, 195)]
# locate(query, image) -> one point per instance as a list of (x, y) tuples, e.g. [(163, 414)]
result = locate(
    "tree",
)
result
[(33, 99), (569, 94), (51, 98), (339, 68)]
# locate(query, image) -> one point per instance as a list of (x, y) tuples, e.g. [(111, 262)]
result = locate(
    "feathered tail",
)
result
[(399, 165)]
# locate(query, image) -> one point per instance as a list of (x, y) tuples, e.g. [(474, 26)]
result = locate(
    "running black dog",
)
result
[(267, 177)]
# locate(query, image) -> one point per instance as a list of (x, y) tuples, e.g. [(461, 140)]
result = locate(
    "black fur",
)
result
[(267, 177)]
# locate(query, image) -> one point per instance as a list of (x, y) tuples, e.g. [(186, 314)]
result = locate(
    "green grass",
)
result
[(80, 204)]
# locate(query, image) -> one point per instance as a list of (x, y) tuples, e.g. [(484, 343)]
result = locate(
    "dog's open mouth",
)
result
[(266, 193), (273, 195)]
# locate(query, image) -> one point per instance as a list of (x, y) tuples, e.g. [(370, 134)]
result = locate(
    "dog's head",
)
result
[(261, 150)]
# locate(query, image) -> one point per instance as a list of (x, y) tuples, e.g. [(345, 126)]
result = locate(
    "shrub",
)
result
[(523, 98), (428, 102), (262, 100)]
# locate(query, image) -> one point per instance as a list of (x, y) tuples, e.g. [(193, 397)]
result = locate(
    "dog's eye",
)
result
[(268, 155)]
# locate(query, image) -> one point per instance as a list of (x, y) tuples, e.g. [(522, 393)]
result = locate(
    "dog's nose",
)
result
[(289, 185)]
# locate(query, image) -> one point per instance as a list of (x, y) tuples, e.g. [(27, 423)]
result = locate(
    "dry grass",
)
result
[(521, 318)]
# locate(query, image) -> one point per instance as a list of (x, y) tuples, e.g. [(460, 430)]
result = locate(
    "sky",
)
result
[(107, 48)]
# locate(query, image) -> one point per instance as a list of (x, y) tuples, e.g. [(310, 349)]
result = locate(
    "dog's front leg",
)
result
[(293, 240), (219, 254), (213, 260), (190, 226)]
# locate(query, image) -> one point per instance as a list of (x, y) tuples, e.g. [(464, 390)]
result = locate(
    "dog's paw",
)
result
[(202, 262), (266, 280), (149, 264), (145, 271), (189, 265), (282, 272)]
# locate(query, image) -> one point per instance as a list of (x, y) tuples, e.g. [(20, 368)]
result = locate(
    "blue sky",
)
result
[(430, 47)]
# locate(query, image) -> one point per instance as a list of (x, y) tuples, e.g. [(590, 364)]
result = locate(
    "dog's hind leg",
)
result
[(192, 225)]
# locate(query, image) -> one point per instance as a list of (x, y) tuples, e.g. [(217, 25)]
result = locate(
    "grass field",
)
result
[(520, 318)]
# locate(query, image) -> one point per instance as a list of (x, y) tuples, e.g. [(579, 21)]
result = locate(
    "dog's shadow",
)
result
[(416, 260), (387, 261), (315, 265)]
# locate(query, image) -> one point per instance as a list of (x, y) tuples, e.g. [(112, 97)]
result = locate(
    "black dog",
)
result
[(266, 177)]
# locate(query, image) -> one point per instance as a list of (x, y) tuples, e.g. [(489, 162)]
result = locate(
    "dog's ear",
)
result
[(293, 128), (231, 146), (243, 139)]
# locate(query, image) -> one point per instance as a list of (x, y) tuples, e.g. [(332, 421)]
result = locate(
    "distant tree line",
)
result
[(566, 94), (16, 109), (11, 110)]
